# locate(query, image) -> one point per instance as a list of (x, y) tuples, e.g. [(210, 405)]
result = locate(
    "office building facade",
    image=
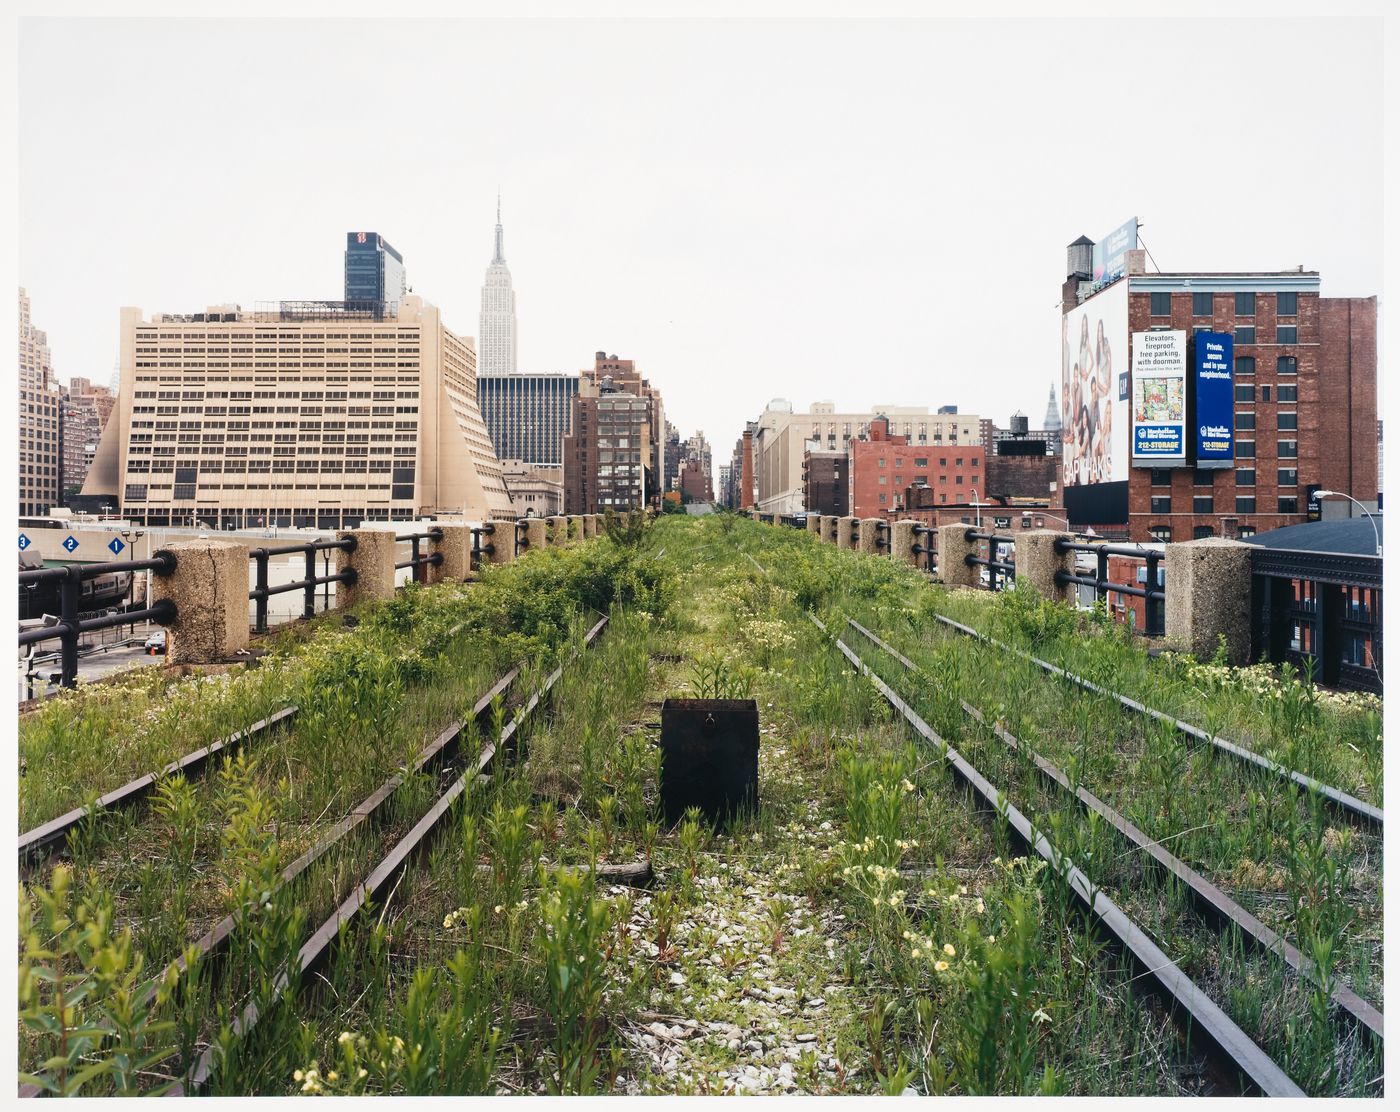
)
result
[(85, 408), (40, 420), (374, 272), (316, 414), (528, 416)]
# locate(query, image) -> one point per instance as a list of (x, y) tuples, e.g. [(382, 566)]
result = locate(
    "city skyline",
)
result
[(788, 233)]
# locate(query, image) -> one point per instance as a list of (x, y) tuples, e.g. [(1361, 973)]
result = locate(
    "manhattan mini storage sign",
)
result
[(1159, 399), (1215, 399)]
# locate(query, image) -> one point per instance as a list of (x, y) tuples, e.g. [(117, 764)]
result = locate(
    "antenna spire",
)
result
[(500, 256)]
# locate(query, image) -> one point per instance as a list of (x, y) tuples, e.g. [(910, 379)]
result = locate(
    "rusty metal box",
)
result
[(709, 757)]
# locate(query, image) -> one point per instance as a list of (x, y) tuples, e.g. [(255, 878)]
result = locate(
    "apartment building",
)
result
[(40, 452)]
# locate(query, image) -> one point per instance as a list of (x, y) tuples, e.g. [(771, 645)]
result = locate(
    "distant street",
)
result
[(90, 668)]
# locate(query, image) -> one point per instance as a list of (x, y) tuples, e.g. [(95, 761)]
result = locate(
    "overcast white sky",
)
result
[(861, 211)]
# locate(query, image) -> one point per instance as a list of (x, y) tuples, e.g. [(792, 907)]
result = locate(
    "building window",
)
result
[(1244, 503), (1162, 534), (1201, 532), (1287, 449), (1244, 334), (882, 499), (1201, 304), (1288, 333), (921, 461), (1162, 504), (1244, 364), (1203, 478), (1288, 304), (1246, 531), (1244, 421), (1288, 364), (958, 480), (1288, 505), (1161, 477), (1203, 504), (1244, 391), (1244, 304), (1287, 394), (1244, 449), (1161, 304), (1264, 392), (1288, 422), (1244, 477), (1287, 476), (882, 461)]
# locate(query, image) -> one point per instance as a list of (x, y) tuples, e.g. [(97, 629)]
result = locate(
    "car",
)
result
[(155, 643)]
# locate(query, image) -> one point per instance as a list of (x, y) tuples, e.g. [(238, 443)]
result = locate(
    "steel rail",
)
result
[(51, 836), (1198, 1015), (1206, 896), (1354, 807), (316, 950)]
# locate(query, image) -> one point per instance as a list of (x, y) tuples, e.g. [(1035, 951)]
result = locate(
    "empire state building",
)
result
[(496, 354)]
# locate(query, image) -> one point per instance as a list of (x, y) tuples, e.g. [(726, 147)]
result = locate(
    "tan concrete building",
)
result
[(782, 437), (40, 462), (535, 490), (297, 414)]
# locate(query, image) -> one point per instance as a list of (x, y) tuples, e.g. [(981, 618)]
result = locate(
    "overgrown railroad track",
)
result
[(1202, 1020)]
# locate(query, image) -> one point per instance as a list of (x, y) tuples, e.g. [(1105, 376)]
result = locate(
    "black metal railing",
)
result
[(1006, 569), (481, 550), (925, 538), (70, 626), (1320, 610), (261, 592), (1152, 592), (420, 561)]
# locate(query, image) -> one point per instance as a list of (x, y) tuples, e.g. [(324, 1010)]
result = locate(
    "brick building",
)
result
[(826, 479), (1304, 383), (883, 465), (615, 455)]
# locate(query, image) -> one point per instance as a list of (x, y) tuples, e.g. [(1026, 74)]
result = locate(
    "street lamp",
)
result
[(977, 505), (1364, 512)]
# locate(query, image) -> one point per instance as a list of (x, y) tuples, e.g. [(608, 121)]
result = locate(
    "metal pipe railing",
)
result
[(261, 592), (70, 626), (1154, 597)]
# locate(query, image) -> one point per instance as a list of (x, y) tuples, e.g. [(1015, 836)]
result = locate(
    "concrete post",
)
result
[(870, 534), (846, 532), (829, 524), (1037, 562), (902, 543), (456, 550), (534, 537), (558, 530), (501, 541), (953, 547), (1208, 595), (814, 524), (373, 564), (589, 526), (576, 534), (210, 591)]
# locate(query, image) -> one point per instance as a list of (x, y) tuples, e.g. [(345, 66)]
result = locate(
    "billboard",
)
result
[(1110, 253), (1094, 397), (1159, 399), (1215, 399)]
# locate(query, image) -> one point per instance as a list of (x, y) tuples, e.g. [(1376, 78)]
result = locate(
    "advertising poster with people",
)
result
[(1094, 400), (1159, 399)]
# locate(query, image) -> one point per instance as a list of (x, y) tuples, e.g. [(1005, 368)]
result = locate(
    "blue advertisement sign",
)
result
[(1215, 399), (1111, 253)]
